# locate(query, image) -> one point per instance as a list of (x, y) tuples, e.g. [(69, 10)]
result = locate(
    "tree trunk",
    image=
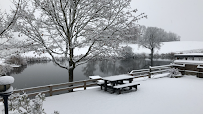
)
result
[(70, 72), (152, 56), (71, 66)]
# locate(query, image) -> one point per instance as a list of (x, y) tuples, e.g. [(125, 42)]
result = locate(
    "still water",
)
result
[(44, 73)]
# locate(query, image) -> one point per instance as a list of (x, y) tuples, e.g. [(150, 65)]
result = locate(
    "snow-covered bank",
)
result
[(154, 96), (172, 47)]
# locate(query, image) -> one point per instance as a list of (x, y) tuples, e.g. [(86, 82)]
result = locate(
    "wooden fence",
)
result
[(49, 90), (150, 71)]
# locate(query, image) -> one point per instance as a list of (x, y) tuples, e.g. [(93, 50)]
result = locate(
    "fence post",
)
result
[(50, 90), (150, 71), (84, 85)]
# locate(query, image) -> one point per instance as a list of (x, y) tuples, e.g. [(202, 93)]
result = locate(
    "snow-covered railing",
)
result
[(177, 65), (53, 88), (159, 69), (150, 71), (189, 68), (140, 73), (200, 67)]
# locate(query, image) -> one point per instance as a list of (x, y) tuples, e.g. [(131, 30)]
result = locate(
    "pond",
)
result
[(44, 73)]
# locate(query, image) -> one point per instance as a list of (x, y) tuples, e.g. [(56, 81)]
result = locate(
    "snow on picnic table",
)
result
[(154, 96)]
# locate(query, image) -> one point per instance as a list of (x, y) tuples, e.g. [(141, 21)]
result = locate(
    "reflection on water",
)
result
[(44, 73)]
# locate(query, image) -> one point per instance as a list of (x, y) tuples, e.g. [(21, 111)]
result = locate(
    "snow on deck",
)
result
[(154, 96)]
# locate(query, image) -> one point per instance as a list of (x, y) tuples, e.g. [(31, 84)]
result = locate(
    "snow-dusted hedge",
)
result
[(174, 72), (21, 104), (37, 59), (16, 59), (4, 69)]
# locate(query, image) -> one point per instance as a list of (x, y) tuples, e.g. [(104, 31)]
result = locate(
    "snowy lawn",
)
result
[(154, 96)]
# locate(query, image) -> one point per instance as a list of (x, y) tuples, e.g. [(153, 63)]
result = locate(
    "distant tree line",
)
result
[(137, 32)]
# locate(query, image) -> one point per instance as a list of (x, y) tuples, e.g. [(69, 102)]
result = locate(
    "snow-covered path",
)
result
[(154, 96)]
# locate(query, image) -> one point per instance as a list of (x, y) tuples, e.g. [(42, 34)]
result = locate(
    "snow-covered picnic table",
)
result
[(116, 80)]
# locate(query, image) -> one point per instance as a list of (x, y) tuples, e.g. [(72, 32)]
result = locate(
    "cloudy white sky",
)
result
[(183, 17)]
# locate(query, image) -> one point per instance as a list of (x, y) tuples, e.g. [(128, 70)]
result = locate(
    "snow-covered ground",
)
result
[(154, 96)]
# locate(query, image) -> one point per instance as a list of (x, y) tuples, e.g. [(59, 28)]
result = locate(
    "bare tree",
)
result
[(61, 26), (151, 39), (173, 37), (7, 22)]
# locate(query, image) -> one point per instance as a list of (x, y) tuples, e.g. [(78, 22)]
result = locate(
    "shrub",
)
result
[(21, 104), (16, 59), (127, 52), (4, 69), (174, 72)]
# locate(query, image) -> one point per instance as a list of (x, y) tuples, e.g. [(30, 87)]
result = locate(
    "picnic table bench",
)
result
[(115, 83), (122, 86)]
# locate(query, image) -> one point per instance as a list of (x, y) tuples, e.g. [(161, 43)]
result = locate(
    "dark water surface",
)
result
[(44, 73)]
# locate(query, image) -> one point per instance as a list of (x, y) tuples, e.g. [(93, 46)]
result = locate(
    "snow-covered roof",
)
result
[(4, 80), (189, 62), (189, 55)]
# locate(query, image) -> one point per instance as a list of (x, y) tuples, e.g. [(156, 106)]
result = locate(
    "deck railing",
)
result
[(150, 71), (49, 90)]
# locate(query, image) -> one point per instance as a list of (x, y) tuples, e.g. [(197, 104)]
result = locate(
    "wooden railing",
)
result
[(49, 90), (150, 71), (140, 73), (183, 68), (159, 69), (53, 88)]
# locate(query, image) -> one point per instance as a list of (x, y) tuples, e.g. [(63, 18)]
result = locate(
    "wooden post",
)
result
[(84, 85), (198, 72), (150, 71), (50, 90)]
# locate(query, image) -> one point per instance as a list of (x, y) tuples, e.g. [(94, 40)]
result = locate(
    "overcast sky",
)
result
[(183, 17)]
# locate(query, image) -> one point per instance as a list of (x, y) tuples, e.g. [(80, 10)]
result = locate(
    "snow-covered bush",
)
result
[(4, 69), (21, 104), (127, 52), (174, 72), (16, 59)]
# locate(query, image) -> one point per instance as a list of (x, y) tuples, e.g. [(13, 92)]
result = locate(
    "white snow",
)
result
[(191, 54), (189, 62), (95, 77), (14, 66), (118, 77), (154, 96), (4, 80)]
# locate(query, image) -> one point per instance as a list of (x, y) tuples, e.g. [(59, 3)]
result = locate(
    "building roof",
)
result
[(189, 55)]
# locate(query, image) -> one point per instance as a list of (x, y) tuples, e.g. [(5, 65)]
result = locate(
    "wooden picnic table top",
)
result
[(118, 77)]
